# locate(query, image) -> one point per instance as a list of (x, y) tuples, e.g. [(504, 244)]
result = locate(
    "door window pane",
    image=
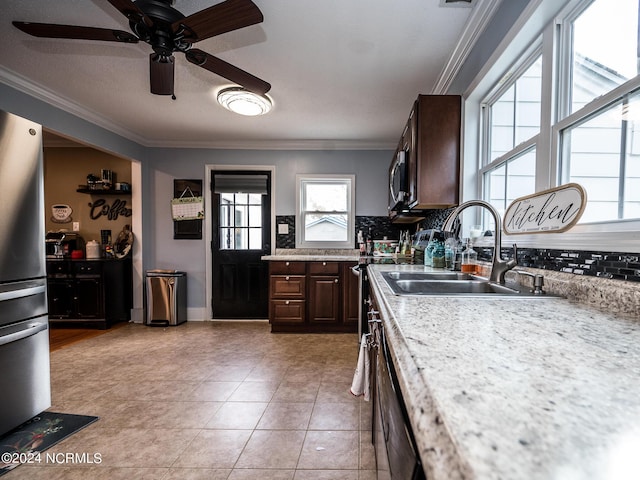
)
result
[(605, 49), (240, 221), (255, 216)]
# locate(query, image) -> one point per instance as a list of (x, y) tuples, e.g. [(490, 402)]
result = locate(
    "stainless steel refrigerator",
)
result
[(25, 389)]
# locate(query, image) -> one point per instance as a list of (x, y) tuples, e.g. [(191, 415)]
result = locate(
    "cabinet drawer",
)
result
[(324, 268), (57, 267), (289, 286), (87, 268), (284, 268), (287, 311)]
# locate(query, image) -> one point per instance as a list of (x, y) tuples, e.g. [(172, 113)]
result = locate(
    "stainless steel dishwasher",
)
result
[(395, 447)]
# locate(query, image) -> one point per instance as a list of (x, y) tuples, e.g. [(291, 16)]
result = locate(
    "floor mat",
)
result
[(26, 443)]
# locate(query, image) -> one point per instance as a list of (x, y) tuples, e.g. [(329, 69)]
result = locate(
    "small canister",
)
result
[(93, 249)]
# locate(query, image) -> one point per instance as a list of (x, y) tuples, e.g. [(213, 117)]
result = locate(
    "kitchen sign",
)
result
[(550, 211)]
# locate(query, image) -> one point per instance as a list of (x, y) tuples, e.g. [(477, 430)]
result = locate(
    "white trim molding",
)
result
[(478, 20)]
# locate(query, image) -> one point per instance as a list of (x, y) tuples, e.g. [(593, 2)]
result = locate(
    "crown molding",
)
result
[(279, 145), (480, 16)]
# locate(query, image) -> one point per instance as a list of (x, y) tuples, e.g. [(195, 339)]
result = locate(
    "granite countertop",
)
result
[(527, 388), (313, 255), (310, 258)]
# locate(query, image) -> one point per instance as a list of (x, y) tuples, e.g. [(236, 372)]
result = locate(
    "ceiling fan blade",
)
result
[(221, 18), (228, 71), (49, 30), (131, 11), (161, 74)]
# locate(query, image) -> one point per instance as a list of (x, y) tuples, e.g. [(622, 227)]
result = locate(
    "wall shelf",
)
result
[(90, 191)]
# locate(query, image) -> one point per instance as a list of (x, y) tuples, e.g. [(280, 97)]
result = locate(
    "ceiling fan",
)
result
[(167, 30)]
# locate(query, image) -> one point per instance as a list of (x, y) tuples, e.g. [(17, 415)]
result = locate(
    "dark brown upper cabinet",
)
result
[(430, 144)]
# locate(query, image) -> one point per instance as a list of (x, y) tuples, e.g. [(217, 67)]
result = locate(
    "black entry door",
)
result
[(241, 235)]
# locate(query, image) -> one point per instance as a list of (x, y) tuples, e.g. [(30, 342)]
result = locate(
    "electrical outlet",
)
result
[(283, 229), (76, 226)]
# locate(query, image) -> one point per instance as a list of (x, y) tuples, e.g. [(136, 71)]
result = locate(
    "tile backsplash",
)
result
[(613, 265), (380, 227)]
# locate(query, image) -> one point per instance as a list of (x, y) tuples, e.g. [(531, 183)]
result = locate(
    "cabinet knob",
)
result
[(287, 278), (324, 264), (335, 280), (286, 302), (287, 264)]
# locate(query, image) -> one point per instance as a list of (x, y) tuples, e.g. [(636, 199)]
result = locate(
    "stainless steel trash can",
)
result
[(165, 297)]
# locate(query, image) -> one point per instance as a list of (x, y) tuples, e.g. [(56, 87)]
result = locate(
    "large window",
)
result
[(325, 211), (570, 112)]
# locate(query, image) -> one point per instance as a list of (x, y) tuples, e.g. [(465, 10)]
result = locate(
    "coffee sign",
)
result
[(551, 211)]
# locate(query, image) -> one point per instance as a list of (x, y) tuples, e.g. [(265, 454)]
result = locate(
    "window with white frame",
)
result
[(325, 216), (591, 98), (511, 127), (599, 122)]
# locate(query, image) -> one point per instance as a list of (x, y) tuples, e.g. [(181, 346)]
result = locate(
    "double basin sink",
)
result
[(453, 284)]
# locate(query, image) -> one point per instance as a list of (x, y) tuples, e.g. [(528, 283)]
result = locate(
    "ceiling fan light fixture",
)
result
[(244, 102)]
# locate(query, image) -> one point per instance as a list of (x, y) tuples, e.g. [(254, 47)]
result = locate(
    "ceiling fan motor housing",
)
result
[(161, 36)]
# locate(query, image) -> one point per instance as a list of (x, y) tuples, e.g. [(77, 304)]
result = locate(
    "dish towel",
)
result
[(361, 384)]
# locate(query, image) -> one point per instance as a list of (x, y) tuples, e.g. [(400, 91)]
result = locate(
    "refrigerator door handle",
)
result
[(21, 293), (30, 329)]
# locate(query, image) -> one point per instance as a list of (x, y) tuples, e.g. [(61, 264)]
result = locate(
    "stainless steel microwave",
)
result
[(398, 181)]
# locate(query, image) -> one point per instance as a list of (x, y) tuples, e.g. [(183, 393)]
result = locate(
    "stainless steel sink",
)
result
[(430, 276), (452, 284)]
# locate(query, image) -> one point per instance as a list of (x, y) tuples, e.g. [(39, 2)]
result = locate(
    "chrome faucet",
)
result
[(498, 266)]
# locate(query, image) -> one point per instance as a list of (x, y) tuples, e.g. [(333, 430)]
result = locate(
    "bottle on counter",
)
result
[(428, 252), (449, 252), (456, 249), (406, 244), (469, 262), (438, 254)]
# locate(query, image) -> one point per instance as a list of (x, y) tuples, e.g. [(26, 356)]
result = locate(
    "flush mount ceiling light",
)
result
[(244, 102)]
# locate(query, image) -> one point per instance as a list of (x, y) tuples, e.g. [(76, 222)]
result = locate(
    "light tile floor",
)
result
[(211, 400)]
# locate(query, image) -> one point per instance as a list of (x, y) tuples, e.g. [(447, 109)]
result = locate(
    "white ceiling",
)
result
[(344, 73)]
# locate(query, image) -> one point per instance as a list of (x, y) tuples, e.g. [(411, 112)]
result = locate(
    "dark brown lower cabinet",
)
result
[(324, 299), (89, 292), (312, 297)]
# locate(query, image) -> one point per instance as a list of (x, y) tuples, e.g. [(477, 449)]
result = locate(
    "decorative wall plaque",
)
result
[(550, 211), (61, 213)]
